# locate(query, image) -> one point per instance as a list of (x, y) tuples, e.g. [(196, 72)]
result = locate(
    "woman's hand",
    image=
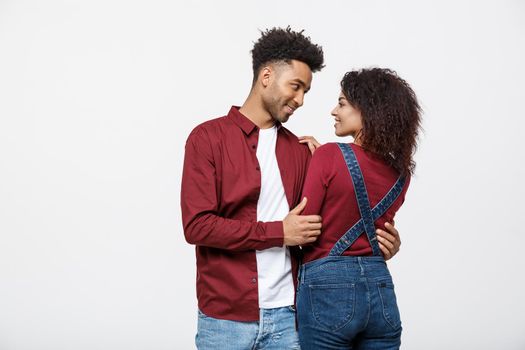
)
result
[(312, 143)]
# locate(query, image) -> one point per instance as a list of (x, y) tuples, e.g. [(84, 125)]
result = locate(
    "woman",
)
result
[(345, 297)]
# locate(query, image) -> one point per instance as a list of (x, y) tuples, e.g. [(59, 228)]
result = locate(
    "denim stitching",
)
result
[(385, 313), (346, 319), (368, 215)]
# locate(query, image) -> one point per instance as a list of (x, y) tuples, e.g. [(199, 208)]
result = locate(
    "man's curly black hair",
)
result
[(391, 114), (278, 44)]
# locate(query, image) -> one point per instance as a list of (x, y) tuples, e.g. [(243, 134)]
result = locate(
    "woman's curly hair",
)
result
[(391, 114), (278, 44)]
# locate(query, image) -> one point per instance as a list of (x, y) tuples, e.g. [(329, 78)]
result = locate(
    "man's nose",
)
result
[(299, 99)]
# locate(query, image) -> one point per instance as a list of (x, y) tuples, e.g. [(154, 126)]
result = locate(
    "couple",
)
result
[(244, 171)]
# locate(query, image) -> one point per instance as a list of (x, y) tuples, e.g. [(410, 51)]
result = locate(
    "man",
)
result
[(242, 174)]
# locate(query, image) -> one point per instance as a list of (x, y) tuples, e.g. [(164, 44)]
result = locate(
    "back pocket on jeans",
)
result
[(389, 302), (333, 304)]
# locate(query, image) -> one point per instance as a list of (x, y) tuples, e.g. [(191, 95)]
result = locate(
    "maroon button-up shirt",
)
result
[(221, 183)]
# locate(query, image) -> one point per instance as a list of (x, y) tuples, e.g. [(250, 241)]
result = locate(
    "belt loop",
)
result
[(360, 262)]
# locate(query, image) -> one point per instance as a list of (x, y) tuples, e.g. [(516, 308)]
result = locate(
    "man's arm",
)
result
[(389, 242), (202, 224)]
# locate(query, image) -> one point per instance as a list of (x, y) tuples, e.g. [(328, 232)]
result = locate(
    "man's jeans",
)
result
[(347, 302), (275, 330)]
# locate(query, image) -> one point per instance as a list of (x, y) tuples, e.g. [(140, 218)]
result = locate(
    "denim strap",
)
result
[(368, 215)]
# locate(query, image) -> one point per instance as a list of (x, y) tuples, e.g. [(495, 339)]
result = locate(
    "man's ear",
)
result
[(266, 75)]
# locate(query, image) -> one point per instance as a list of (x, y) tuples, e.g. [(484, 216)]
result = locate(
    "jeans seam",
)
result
[(385, 314)]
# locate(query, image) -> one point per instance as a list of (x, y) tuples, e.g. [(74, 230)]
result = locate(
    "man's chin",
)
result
[(282, 119)]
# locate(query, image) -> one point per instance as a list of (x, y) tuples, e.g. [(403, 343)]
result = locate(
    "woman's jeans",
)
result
[(346, 302)]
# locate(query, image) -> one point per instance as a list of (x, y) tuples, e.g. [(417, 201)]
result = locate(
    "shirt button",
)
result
[(253, 146), (254, 280), (258, 168)]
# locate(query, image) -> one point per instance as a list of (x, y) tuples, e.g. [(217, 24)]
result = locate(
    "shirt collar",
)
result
[(243, 122)]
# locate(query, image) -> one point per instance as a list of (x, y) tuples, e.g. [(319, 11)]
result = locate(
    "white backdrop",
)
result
[(98, 97)]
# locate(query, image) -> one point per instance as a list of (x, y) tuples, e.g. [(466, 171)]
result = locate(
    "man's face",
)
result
[(287, 85)]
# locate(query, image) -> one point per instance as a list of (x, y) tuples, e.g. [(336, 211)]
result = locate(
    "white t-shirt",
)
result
[(274, 265)]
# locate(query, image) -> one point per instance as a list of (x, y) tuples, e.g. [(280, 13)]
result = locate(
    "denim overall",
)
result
[(348, 302)]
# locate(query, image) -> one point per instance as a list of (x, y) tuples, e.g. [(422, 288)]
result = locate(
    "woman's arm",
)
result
[(317, 179)]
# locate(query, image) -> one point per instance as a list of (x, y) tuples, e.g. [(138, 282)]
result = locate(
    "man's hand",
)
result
[(389, 242), (301, 229), (311, 142)]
